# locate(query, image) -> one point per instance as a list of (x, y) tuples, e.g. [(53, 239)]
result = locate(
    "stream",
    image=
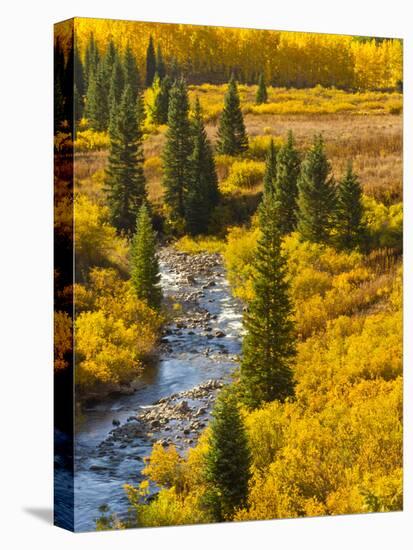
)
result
[(172, 401)]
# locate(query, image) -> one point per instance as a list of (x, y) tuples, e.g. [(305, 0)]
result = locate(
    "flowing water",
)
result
[(190, 357)]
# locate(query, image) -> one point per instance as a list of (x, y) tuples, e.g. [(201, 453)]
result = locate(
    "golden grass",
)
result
[(310, 101), (372, 142)]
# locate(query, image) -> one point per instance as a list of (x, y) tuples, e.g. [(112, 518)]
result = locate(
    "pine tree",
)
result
[(161, 103), (160, 64), (97, 101), (269, 343), (232, 137), (117, 83), (91, 59), (177, 151), (131, 72), (203, 194), (125, 180), (349, 213), (286, 189), (145, 269), (270, 170), (228, 461), (150, 63), (316, 195), (261, 96)]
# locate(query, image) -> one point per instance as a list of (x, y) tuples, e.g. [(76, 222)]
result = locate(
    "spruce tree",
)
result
[(144, 263), (160, 64), (270, 170), (97, 101), (60, 101), (349, 212), (177, 151), (228, 460), (79, 84), (286, 189), (108, 62), (117, 83), (261, 96), (91, 59), (232, 137), (269, 343), (125, 180), (203, 194), (131, 71), (161, 103), (316, 195), (150, 63)]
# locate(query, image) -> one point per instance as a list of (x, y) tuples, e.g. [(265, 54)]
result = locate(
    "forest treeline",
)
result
[(212, 54)]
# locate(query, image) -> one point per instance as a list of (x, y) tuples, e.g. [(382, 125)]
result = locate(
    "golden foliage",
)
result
[(62, 339), (96, 241), (114, 332), (296, 58)]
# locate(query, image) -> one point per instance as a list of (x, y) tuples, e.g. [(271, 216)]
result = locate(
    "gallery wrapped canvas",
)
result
[(228, 274)]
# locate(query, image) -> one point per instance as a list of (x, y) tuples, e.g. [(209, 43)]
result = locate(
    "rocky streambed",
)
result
[(172, 403)]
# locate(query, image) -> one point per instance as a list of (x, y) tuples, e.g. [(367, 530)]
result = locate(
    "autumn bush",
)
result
[(96, 241), (115, 334), (244, 174)]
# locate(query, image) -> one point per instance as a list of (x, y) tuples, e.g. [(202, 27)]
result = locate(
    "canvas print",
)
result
[(228, 274)]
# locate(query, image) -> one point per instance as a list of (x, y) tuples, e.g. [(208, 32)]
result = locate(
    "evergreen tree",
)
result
[(349, 213), (97, 101), (117, 83), (58, 82), (68, 87), (150, 63), (316, 195), (269, 343), (132, 77), (174, 69), (286, 189), (59, 105), (108, 62), (160, 64), (228, 461), (270, 170), (79, 84), (232, 137), (177, 151), (261, 96), (203, 194), (91, 59), (125, 180), (77, 107), (161, 103), (145, 269)]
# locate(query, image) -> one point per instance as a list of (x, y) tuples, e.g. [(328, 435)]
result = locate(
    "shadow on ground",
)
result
[(44, 514)]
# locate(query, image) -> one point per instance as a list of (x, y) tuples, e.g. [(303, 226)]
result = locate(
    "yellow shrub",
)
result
[(114, 332), (90, 140), (238, 257), (245, 174), (258, 146), (62, 339), (96, 242), (194, 245)]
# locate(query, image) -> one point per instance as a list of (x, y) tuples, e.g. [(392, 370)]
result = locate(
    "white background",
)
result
[(26, 272)]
